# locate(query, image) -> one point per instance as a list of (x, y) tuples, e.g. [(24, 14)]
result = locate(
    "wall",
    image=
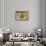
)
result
[(44, 18), (1, 15), (35, 19)]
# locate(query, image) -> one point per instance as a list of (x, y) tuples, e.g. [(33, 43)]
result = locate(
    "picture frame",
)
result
[(22, 15)]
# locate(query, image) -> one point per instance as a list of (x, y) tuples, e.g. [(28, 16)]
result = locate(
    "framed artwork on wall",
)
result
[(22, 15)]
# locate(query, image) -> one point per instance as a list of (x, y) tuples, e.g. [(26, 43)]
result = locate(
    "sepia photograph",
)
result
[(21, 15)]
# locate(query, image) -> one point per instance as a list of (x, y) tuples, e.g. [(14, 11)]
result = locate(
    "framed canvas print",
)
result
[(21, 15)]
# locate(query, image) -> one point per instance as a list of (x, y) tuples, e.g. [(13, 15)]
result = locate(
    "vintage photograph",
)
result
[(22, 15)]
